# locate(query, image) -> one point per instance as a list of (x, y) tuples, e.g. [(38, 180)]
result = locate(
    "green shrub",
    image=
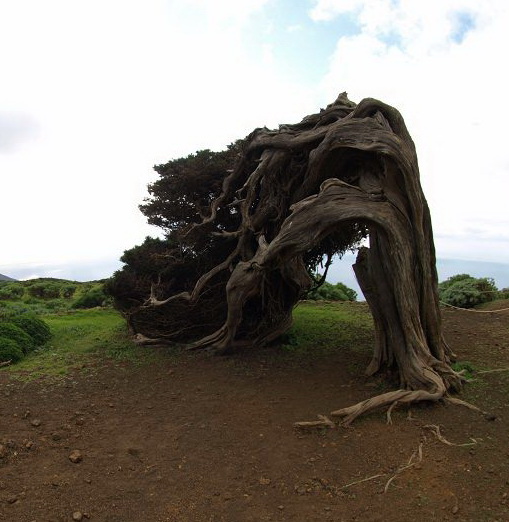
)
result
[(11, 291), (67, 291), (15, 333), (36, 328), (465, 291), (91, 299), (44, 290), (10, 350), (330, 292)]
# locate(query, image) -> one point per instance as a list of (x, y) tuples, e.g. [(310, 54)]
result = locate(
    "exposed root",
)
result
[(411, 462), (415, 458), (144, 340), (494, 371), (389, 411), (5, 363), (388, 399), (436, 431), (459, 402), (363, 480), (324, 422)]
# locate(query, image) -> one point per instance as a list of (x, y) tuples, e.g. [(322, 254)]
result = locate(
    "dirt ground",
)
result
[(200, 438)]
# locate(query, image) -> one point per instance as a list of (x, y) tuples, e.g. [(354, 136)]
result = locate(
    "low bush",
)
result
[(36, 328), (15, 333), (91, 299), (465, 291), (44, 290), (10, 351), (330, 292), (11, 291)]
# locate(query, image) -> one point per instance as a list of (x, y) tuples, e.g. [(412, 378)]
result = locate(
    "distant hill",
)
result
[(6, 278)]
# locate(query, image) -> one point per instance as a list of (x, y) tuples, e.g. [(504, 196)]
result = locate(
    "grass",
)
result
[(78, 338), (322, 327)]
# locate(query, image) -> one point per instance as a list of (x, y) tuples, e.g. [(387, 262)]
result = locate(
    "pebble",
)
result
[(455, 509), (264, 481), (36, 423), (3, 451), (75, 456), (77, 515)]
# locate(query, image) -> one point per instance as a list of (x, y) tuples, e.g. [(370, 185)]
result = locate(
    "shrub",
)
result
[(10, 350), (465, 291), (91, 299), (330, 292), (15, 333), (36, 328), (67, 291), (11, 291), (44, 290)]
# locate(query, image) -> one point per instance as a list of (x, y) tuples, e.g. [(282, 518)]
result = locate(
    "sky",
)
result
[(94, 93)]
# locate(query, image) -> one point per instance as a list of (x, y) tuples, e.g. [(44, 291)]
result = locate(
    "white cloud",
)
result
[(448, 90), (16, 129)]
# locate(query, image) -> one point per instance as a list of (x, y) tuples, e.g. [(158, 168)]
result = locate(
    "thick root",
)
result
[(350, 413)]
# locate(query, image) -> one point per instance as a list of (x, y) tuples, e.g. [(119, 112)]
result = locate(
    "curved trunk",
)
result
[(348, 168)]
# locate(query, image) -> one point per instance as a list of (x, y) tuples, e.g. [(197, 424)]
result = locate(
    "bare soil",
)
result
[(201, 438)]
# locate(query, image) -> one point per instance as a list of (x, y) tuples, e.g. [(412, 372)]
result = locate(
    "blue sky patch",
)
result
[(463, 23)]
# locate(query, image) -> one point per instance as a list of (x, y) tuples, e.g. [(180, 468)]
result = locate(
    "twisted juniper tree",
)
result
[(292, 196)]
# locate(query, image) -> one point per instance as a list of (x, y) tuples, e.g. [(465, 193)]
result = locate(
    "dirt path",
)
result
[(199, 438)]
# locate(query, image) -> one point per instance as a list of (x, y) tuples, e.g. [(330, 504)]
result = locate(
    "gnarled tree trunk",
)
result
[(348, 169)]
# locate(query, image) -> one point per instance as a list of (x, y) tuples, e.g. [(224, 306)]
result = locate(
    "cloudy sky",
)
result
[(94, 93)]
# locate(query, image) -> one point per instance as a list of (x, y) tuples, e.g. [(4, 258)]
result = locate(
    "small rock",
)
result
[(3, 451), (264, 481), (455, 509), (36, 423), (77, 515), (281, 508), (227, 496), (29, 444), (12, 499), (56, 437), (300, 490), (75, 456)]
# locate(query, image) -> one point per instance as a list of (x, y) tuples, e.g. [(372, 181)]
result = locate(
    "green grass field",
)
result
[(81, 336), (78, 337)]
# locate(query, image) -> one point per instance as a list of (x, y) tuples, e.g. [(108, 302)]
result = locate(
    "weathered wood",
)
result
[(348, 169)]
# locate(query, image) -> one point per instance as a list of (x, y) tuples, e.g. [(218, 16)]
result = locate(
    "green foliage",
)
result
[(67, 291), (44, 295), (44, 290), (15, 333), (80, 337), (466, 368), (91, 299), (10, 350), (11, 291), (36, 328), (465, 291), (330, 292), (504, 293)]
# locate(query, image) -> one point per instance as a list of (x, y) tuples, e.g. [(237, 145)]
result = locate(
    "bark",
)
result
[(348, 169)]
